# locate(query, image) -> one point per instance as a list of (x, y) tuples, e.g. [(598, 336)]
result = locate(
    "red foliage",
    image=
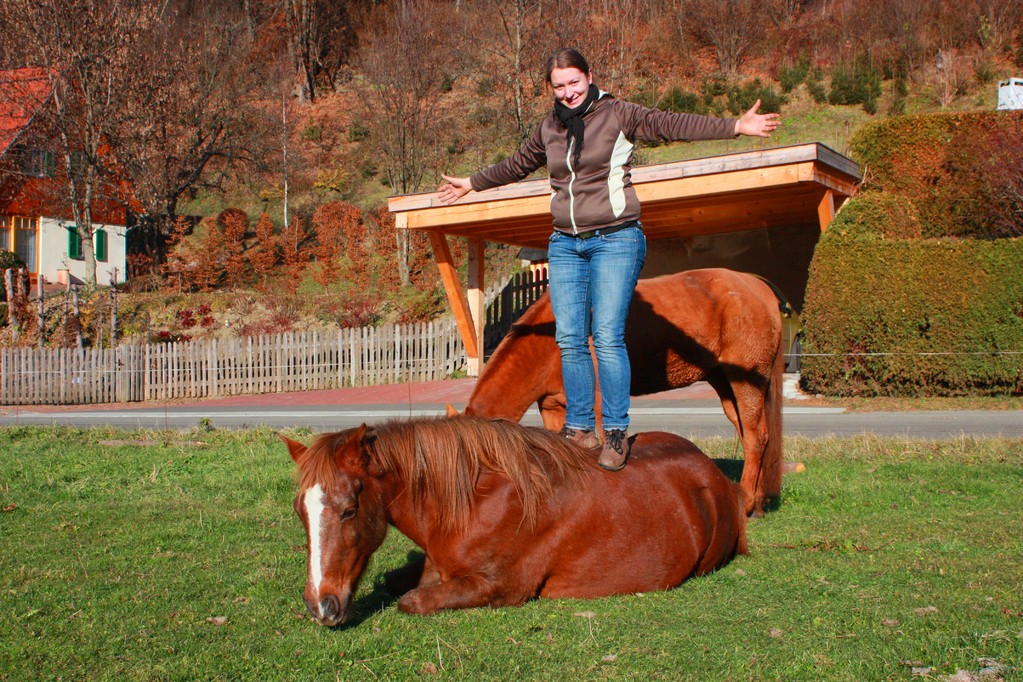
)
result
[(233, 224), (294, 252), (175, 265), (207, 262), (265, 257), (337, 226), (186, 318)]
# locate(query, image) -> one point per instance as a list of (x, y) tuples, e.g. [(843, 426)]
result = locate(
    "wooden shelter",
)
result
[(755, 190)]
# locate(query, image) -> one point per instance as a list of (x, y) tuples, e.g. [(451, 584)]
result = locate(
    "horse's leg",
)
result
[(755, 436), (463, 592), (743, 404), (552, 411)]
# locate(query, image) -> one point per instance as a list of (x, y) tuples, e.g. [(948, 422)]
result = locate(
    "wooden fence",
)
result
[(505, 303), (294, 361)]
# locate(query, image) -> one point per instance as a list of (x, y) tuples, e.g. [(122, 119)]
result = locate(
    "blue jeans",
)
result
[(591, 285)]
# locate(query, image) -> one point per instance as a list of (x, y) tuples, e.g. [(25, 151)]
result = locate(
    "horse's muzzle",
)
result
[(329, 611)]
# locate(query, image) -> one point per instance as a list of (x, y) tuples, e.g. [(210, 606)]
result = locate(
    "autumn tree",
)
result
[(605, 31), (233, 224), (206, 257), (266, 255), (405, 62), (294, 252), (196, 110), (321, 37), (733, 28), (175, 265), (508, 41)]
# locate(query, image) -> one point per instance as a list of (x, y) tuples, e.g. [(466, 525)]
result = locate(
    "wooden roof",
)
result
[(731, 192)]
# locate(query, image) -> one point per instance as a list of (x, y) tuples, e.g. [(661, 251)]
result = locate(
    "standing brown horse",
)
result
[(713, 325), (506, 513)]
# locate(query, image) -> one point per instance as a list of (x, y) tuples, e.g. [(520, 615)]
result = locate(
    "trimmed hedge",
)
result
[(961, 170), (937, 314), (916, 288)]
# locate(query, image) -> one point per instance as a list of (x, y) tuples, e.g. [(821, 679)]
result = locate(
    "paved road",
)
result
[(690, 418)]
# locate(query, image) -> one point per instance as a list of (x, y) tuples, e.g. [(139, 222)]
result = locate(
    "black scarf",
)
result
[(572, 119)]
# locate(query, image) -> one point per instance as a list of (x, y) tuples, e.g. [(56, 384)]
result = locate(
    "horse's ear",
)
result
[(350, 455), (355, 454), (452, 412), (369, 462), (468, 411), (295, 449)]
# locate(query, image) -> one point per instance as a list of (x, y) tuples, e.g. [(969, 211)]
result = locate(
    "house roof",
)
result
[(741, 191), (22, 93)]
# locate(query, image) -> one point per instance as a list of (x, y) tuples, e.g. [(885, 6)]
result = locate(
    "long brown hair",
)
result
[(566, 58)]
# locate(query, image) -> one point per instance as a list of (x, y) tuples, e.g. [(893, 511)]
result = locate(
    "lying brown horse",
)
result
[(713, 325), (506, 513)]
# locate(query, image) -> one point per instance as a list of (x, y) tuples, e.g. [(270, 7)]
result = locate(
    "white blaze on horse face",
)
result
[(314, 509)]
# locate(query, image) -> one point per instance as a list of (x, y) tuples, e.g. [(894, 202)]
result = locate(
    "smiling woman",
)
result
[(597, 247)]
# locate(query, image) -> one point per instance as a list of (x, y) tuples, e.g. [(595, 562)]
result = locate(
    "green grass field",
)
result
[(157, 556)]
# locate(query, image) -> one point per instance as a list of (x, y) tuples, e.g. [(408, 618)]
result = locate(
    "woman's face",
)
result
[(570, 86)]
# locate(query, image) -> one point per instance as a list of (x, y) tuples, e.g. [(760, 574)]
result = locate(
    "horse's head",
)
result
[(343, 518)]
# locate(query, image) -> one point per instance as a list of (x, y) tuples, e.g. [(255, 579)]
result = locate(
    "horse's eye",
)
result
[(349, 513)]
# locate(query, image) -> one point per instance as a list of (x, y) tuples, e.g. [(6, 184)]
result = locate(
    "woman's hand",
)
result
[(453, 189), (758, 125)]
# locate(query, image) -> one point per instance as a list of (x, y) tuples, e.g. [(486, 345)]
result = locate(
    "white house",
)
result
[(34, 222), (61, 252)]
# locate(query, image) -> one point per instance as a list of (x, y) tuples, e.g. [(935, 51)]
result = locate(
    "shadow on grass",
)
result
[(387, 589), (732, 468)]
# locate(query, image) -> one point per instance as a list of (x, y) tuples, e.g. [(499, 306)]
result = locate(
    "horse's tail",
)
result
[(772, 459)]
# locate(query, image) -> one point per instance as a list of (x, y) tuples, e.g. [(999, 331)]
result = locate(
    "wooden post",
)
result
[(826, 209), (113, 308), (12, 312), (477, 301), (76, 308), (456, 297), (122, 376), (41, 309)]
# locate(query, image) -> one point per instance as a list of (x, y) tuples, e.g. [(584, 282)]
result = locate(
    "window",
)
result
[(74, 244), (5, 232), (99, 237), (25, 240), (78, 164), (38, 163)]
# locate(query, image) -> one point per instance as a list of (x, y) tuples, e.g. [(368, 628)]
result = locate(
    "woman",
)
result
[(597, 248)]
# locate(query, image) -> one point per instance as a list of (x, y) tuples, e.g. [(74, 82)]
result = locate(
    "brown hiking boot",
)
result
[(586, 439), (615, 450)]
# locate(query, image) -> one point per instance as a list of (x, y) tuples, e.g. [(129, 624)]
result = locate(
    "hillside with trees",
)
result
[(261, 137)]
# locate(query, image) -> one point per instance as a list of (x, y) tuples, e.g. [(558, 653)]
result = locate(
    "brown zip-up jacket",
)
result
[(599, 192)]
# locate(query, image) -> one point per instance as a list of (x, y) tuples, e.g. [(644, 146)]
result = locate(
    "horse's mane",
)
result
[(442, 460)]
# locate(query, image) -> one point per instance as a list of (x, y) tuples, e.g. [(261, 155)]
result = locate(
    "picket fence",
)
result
[(292, 361)]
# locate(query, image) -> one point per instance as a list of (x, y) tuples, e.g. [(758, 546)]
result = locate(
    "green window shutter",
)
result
[(99, 237), (74, 244)]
